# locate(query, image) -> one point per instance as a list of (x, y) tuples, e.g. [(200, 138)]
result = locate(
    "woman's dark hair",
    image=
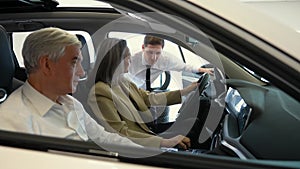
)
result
[(113, 51)]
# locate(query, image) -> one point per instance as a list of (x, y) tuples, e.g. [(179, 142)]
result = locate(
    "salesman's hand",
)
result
[(210, 71)]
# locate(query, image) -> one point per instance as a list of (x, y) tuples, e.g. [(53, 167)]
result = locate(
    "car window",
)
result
[(249, 99), (135, 42), (18, 39), (193, 59), (179, 79)]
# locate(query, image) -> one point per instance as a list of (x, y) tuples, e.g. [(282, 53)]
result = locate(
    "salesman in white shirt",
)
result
[(151, 56), (43, 106)]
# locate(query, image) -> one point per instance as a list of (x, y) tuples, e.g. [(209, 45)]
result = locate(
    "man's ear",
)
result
[(143, 46), (45, 65)]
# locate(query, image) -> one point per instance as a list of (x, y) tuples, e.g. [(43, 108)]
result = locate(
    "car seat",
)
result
[(7, 83), (83, 88)]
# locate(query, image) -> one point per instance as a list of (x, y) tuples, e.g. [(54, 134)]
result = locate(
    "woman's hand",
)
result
[(180, 140)]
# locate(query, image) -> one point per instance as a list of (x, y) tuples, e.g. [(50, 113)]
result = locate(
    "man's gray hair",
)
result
[(47, 41)]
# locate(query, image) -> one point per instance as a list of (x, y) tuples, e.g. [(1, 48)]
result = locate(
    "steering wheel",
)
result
[(188, 107), (198, 104), (166, 83), (191, 106)]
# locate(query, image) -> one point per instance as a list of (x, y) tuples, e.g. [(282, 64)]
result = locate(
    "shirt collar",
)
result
[(42, 103)]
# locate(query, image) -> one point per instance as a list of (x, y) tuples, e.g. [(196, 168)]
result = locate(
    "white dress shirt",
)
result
[(27, 110), (166, 62)]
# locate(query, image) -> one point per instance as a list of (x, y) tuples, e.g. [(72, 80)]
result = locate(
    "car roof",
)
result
[(274, 21)]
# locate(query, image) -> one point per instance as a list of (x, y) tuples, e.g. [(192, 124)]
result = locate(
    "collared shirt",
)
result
[(27, 110), (166, 62)]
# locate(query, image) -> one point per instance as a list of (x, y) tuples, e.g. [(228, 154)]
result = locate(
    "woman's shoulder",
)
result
[(125, 80), (101, 84), (101, 88)]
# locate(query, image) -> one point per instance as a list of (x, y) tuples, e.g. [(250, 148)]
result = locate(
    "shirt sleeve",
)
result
[(173, 63)]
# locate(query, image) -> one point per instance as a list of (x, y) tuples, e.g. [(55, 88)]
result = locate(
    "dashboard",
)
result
[(237, 107), (235, 123), (260, 122)]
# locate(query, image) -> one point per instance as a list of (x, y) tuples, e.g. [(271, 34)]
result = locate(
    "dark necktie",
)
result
[(148, 82)]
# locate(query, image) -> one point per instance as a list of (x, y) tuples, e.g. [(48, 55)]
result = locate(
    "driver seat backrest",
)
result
[(7, 66), (7, 83)]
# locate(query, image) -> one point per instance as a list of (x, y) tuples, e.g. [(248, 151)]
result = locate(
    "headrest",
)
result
[(85, 53)]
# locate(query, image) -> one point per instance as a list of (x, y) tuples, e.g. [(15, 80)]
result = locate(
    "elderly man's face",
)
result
[(67, 71), (152, 53)]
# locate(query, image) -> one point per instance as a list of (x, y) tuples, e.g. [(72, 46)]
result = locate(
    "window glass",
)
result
[(178, 79), (85, 3), (19, 38), (135, 42), (193, 59)]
